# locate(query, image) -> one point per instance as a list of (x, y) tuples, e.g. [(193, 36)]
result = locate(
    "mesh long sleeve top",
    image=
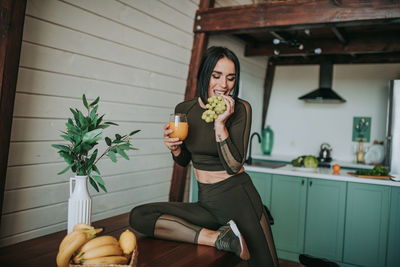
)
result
[(200, 145)]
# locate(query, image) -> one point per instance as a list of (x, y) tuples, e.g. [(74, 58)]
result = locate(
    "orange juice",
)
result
[(180, 130)]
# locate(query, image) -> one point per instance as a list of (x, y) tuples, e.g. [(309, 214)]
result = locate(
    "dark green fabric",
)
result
[(234, 198), (201, 147)]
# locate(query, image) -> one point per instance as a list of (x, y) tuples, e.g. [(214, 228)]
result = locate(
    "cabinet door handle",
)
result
[(302, 181), (310, 182)]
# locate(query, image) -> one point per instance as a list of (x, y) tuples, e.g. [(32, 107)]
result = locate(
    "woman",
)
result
[(217, 151)]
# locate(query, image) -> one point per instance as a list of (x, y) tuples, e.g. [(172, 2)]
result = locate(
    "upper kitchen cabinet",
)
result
[(367, 214)]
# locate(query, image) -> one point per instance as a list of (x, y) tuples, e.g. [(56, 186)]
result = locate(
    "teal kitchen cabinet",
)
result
[(309, 217), (288, 207), (367, 215), (326, 203), (393, 251), (262, 182)]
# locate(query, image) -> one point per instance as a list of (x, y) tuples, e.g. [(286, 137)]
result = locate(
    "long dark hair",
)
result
[(207, 65)]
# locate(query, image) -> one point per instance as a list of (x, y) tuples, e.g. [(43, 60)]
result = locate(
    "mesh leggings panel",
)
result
[(268, 236), (173, 228)]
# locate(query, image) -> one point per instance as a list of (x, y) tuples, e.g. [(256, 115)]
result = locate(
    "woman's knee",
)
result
[(140, 219)]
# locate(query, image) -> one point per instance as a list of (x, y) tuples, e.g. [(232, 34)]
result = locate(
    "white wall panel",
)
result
[(93, 24), (80, 43), (136, 62), (53, 60)]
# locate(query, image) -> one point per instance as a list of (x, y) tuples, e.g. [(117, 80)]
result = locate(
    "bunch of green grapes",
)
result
[(215, 106)]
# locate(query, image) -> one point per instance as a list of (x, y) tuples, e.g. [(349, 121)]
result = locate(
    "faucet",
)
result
[(249, 159)]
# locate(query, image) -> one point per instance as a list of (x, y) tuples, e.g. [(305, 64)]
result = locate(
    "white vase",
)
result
[(79, 202)]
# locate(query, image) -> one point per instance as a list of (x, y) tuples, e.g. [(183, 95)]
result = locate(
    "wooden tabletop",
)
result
[(42, 251)]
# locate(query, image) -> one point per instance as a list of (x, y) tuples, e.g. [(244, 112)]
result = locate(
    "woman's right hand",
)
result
[(172, 144)]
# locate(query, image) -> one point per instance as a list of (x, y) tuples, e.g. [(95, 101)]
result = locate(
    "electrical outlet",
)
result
[(361, 129)]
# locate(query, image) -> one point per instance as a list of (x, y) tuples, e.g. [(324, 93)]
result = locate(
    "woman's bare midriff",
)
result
[(208, 177)]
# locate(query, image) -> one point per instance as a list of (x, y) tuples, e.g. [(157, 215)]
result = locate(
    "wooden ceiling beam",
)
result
[(386, 43), (340, 34), (295, 14), (338, 59)]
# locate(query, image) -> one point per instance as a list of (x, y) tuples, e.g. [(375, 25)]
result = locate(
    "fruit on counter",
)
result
[(336, 169), (86, 227), (298, 162), (102, 251), (71, 242), (88, 230), (376, 171), (108, 260), (310, 162), (127, 241), (98, 242), (216, 105), (307, 161)]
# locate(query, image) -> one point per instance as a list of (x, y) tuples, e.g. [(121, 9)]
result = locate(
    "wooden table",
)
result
[(42, 251)]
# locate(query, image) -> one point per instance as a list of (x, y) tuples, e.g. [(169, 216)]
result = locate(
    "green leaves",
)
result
[(134, 132), (82, 134), (92, 136), (85, 103)]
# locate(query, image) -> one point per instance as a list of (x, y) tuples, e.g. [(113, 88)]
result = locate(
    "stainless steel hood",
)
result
[(324, 94)]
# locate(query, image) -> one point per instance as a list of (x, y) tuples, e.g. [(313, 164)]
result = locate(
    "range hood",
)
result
[(324, 94)]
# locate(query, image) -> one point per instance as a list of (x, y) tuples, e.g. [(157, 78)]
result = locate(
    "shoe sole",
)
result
[(244, 255)]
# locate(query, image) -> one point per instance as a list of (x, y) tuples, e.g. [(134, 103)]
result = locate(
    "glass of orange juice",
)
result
[(178, 123)]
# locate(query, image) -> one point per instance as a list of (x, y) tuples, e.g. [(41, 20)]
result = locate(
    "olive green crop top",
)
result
[(200, 145)]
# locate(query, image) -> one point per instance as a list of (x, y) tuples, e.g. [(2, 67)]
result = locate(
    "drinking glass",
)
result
[(178, 123)]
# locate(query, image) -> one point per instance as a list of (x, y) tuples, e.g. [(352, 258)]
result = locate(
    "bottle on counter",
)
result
[(360, 154), (267, 140)]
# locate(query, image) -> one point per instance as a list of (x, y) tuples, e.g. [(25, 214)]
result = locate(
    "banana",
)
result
[(72, 242), (103, 251), (127, 241), (107, 260), (82, 226), (98, 242), (89, 233)]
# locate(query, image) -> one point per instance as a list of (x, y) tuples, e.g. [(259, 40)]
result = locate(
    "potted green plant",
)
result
[(83, 133)]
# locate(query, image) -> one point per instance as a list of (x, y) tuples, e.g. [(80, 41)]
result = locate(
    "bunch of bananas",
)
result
[(88, 249)]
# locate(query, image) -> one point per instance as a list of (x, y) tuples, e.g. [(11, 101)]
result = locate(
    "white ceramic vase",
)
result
[(79, 202)]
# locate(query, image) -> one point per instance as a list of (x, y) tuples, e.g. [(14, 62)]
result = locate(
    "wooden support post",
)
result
[(200, 41), (12, 16), (269, 80)]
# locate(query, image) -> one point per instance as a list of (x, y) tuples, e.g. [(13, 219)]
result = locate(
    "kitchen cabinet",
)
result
[(367, 214), (288, 207), (326, 202), (262, 182), (393, 255), (309, 216)]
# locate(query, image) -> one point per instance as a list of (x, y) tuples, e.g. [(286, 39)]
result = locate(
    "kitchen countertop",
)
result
[(288, 159), (320, 173)]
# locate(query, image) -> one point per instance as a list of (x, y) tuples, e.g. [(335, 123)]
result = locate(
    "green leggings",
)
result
[(234, 198)]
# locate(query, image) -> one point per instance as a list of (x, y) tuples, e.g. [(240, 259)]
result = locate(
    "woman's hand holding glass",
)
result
[(175, 132)]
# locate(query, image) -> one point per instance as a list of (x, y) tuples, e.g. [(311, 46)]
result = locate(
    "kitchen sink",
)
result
[(266, 164)]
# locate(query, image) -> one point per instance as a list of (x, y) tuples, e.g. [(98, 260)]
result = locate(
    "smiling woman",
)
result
[(229, 214)]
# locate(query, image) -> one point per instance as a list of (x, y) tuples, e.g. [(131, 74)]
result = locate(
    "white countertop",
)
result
[(320, 173), (287, 158)]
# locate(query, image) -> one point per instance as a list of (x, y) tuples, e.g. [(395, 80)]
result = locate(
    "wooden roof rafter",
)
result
[(340, 27)]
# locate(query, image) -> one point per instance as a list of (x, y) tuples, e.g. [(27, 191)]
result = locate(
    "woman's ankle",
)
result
[(207, 237)]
